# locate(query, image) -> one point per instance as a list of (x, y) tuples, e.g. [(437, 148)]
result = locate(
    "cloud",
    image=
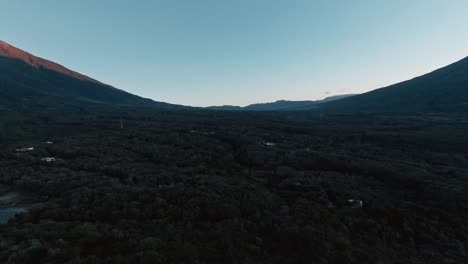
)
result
[(336, 92)]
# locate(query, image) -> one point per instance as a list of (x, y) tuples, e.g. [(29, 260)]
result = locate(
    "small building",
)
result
[(356, 203), (25, 149), (48, 159)]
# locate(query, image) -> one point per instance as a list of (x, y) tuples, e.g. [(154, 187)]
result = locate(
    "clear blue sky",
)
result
[(214, 52)]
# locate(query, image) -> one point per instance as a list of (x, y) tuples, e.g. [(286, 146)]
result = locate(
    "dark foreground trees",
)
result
[(235, 188)]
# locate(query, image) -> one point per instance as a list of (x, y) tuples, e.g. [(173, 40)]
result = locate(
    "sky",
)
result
[(238, 52)]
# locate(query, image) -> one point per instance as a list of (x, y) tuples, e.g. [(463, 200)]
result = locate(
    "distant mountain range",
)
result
[(280, 105), (27, 81), (443, 90)]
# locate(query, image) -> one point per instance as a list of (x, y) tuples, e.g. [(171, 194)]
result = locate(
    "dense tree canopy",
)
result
[(213, 187)]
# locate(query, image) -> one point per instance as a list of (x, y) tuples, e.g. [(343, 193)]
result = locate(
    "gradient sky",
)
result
[(215, 52)]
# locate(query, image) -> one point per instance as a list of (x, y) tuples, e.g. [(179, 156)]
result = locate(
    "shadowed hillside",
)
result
[(28, 82), (443, 90)]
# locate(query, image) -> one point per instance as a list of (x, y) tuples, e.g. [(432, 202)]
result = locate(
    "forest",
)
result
[(205, 186)]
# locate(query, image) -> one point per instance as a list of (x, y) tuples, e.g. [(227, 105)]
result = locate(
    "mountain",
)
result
[(6, 50), (443, 90), (28, 82), (280, 105)]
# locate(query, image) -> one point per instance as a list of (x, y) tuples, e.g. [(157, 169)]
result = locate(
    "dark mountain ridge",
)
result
[(30, 82), (443, 90), (6, 50)]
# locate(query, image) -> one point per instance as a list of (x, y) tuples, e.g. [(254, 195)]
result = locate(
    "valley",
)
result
[(222, 186), (93, 174)]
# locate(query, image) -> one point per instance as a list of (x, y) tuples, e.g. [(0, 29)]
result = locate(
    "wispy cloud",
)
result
[(337, 91)]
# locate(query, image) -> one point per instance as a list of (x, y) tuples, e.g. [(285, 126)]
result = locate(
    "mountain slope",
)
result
[(280, 105), (6, 50), (28, 80), (443, 90)]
